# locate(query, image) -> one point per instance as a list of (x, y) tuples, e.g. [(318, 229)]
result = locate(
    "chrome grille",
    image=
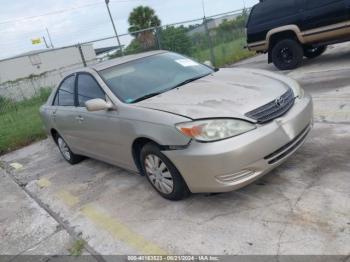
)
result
[(274, 109)]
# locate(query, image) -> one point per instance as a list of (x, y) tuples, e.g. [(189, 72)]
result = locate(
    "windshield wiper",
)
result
[(189, 81), (146, 97), (178, 85)]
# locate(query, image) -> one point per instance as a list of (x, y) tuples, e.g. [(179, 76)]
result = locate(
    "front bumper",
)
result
[(233, 163)]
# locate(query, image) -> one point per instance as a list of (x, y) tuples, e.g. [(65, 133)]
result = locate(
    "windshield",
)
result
[(142, 78)]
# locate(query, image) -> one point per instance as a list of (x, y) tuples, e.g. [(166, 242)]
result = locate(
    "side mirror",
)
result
[(98, 104)]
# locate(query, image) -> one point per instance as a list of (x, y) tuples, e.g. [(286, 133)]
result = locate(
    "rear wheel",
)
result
[(287, 54), (67, 154), (162, 174), (313, 52)]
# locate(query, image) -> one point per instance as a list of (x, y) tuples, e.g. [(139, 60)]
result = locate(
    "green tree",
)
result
[(175, 39), (143, 17), (134, 47), (230, 30)]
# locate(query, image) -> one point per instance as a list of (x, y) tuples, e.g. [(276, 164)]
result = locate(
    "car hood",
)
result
[(227, 93)]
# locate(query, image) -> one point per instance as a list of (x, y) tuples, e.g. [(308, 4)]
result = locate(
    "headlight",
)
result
[(214, 129)]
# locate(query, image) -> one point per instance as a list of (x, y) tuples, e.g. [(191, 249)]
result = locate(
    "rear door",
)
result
[(320, 13), (64, 113)]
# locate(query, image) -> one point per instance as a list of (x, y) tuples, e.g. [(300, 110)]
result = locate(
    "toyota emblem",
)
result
[(280, 102)]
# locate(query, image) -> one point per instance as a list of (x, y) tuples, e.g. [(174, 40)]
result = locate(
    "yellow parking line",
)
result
[(121, 231), (43, 182), (112, 225), (68, 198)]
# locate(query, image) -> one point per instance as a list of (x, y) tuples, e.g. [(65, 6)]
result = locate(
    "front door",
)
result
[(99, 131)]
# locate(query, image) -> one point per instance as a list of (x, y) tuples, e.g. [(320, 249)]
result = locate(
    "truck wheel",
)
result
[(313, 52), (287, 54)]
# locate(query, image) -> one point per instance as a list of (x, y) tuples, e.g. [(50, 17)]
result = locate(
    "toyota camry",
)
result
[(185, 126)]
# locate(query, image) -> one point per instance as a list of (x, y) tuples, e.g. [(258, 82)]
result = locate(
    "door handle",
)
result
[(79, 119), (53, 115)]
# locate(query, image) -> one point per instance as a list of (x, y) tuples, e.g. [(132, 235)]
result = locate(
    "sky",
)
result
[(70, 22)]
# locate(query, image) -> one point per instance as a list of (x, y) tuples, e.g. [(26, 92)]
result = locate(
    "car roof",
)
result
[(124, 59)]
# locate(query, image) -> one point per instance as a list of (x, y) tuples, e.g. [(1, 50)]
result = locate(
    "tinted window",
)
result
[(319, 3), (88, 89), (272, 9), (151, 75), (65, 93)]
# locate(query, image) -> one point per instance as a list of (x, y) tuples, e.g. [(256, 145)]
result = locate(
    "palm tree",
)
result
[(143, 17)]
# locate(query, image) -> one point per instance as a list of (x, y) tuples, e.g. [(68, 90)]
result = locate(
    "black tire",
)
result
[(66, 153), (179, 189), (313, 52), (287, 54)]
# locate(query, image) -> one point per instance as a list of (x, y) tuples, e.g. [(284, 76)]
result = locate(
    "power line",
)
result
[(63, 11)]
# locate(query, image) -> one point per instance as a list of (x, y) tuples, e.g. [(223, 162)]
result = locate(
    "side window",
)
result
[(65, 93), (311, 4), (277, 9), (268, 11), (88, 89)]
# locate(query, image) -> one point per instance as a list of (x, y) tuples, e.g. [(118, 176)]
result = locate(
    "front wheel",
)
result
[(162, 174), (287, 54), (313, 52)]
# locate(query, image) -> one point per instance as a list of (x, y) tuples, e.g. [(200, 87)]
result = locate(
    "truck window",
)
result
[(272, 10), (311, 4)]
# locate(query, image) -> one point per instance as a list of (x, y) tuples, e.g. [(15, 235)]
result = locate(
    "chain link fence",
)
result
[(219, 39)]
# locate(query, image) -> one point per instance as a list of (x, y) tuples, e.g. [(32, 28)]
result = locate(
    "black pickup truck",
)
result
[(288, 30)]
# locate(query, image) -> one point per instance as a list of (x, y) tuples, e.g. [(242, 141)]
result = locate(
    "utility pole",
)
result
[(81, 54), (205, 23), (47, 46), (244, 4), (115, 30), (49, 36), (203, 7)]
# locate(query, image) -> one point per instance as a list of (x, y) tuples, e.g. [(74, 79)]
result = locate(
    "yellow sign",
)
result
[(36, 41)]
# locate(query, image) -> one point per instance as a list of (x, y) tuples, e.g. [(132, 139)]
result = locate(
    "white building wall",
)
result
[(15, 68), (47, 61), (20, 79)]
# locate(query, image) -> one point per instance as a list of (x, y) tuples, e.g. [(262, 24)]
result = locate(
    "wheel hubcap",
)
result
[(159, 174), (63, 148)]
